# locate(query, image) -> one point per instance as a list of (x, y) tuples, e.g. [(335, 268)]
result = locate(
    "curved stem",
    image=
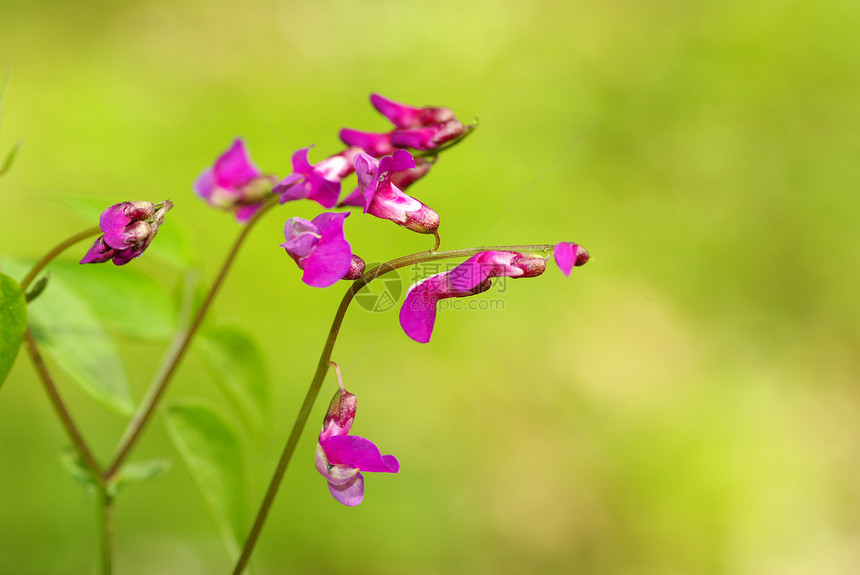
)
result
[(55, 251), (322, 367), (65, 417), (177, 351)]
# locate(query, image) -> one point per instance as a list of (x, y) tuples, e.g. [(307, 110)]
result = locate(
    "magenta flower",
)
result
[(234, 183), (406, 117), (321, 250), (418, 314), (385, 200), (129, 228), (569, 255), (402, 180), (377, 145), (431, 137), (319, 182), (341, 457)]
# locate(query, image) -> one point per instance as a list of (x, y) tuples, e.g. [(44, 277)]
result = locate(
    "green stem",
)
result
[(322, 367), (177, 351), (107, 533), (63, 413), (57, 250)]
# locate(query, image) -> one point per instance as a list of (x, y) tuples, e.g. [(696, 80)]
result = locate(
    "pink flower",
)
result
[(418, 313), (385, 200), (319, 182), (234, 183), (569, 255), (129, 228), (341, 457), (377, 145), (402, 180), (407, 117), (321, 250), (431, 137)]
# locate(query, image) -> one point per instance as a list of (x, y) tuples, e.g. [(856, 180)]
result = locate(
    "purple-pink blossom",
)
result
[(341, 457), (128, 229), (318, 182), (385, 200), (569, 255), (402, 180), (408, 117), (418, 313), (320, 249), (234, 183)]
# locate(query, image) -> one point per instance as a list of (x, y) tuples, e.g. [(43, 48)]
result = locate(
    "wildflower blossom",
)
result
[(234, 183), (318, 182), (341, 457), (569, 255), (129, 228), (319, 247)]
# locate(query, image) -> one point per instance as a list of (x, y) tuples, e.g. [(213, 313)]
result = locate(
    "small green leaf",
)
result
[(38, 287), (212, 451), (134, 473), (79, 471), (10, 157), (13, 323), (73, 337), (125, 300), (239, 368)]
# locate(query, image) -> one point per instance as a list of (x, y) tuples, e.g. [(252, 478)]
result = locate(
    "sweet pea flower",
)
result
[(569, 255), (385, 200), (318, 182), (418, 314), (341, 457), (377, 145), (431, 137), (402, 180), (234, 183), (129, 228), (407, 117), (320, 249)]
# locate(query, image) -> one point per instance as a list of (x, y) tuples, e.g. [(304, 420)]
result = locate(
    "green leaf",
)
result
[(79, 471), (211, 449), (71, 334), (38, 287), (134, 473), (13, 323), (172, 244), (239, 368), (10, 157), (125, 300)]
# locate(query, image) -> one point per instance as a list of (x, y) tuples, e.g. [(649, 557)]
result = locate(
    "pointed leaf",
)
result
[(125, 300), (133, 473), (10, 157), (79, 471), (210, 447), (240, 369), (69, 332), (13, 323), (38, 287)]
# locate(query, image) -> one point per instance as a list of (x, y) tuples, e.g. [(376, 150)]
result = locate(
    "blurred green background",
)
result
[(709, 355)]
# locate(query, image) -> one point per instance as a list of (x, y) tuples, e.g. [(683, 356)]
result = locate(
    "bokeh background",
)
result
[(686, 403)]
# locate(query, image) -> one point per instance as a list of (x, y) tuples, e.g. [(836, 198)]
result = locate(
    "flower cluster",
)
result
[(384, 168)]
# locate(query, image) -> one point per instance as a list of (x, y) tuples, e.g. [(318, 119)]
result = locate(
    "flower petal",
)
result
[(569, 255), (234, 167), (350, 493), (358, 452), (332, 258), (205, 183)]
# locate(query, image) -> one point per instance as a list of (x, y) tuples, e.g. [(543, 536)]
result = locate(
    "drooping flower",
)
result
[(402, 180), (320, 249), (341, 457), (385, 200), (128, 228), (234, 183), (408, 117), (418, 313), (569, 255), (318, 182)]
